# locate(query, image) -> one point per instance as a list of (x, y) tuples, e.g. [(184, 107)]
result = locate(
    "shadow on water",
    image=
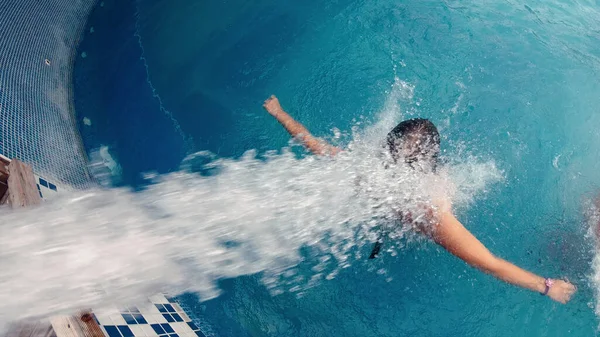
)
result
[(207, 89), (113, 95), (200, 116)]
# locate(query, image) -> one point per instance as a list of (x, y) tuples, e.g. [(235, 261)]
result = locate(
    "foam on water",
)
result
[(185, 231), (105, 169)]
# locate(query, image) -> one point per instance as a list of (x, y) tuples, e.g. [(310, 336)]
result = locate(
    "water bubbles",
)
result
[(337, 134), (104, 167), (556, 160)]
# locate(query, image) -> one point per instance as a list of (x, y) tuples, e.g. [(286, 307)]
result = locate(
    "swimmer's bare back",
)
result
[(448, 232)]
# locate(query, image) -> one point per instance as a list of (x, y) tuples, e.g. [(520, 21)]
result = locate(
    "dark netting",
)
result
[(38, 41)]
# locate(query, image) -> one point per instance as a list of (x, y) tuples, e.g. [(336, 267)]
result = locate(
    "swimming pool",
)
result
[(514, 83)]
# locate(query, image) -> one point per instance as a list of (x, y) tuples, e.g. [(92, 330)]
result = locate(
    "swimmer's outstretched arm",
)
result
[(298, 130), (455, 238)]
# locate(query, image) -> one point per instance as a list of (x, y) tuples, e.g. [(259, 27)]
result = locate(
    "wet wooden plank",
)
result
[(80, 325), (88, 324), (64, 326), (22, 188)]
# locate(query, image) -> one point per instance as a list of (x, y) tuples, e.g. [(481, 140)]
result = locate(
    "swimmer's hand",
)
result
[(561, 291), (272, 106)]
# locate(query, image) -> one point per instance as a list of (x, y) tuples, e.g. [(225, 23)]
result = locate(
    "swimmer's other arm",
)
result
[(297, 130), (456, 239)]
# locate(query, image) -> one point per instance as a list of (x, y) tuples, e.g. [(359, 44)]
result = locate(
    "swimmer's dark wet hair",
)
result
[(415, 140)]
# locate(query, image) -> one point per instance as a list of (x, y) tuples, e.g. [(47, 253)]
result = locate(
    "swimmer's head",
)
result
[(417, 142)]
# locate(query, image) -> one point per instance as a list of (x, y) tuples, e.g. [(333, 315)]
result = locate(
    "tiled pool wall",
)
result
[(159, 317)]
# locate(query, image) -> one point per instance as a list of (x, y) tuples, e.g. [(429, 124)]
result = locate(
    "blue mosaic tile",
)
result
[(129, 319), (43, 182), (158, 329), (167, 328), (52, 186), (177, 318), (140, 319), (169, 318), (192, 325), (125, 331), (169, 308), (112, 331), (160, 308)]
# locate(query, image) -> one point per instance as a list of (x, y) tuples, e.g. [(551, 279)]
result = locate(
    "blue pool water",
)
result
[(515, 83)]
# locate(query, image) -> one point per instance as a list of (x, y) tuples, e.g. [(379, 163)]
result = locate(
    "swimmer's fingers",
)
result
[(562, 291), (268, 100), (272, 105), (571, 288)]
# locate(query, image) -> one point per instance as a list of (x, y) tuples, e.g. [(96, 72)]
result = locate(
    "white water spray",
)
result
[(186, 231)]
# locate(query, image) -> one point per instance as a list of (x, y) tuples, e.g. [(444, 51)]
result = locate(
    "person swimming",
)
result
[(417, 143)]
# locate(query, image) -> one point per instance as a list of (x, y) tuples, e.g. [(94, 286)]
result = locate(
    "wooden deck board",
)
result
[(81, 325), (22, 187)]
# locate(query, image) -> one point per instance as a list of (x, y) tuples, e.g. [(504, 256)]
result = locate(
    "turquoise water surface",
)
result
[(513, 83)]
